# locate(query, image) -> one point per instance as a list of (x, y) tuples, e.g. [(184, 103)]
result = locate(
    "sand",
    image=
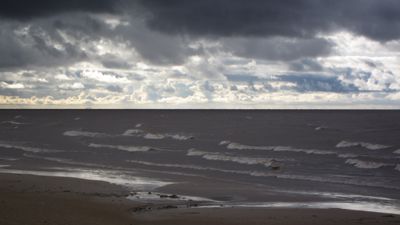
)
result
[(28, 199)]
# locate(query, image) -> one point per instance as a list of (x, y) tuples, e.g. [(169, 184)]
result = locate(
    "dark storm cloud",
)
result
[(378, 20), (31, 48), (29, 9)]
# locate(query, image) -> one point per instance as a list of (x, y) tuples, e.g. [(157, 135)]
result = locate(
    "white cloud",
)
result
[(62, 77), (73, 86), (12, 86), (106, 78)]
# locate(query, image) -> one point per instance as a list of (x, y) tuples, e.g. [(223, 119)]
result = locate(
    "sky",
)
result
[(208, 54)]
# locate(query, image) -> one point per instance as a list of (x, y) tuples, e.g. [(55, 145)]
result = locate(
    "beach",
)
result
[(29, 199)]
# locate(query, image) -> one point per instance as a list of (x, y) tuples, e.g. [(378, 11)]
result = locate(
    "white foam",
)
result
[(139, 125), (27, 149), (397, 167), (366, 165), (14, 122), (76, 133), (344, 144), (124, 148), (133, 132), (224, 142), (243, 160), (234, 145), (137, 132), (114, 177), (397, 151), (173, 136), (321, 127), (8, 159), (77, 118), (155, 136)]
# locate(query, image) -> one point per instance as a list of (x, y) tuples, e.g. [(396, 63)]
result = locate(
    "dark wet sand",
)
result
[(27, 199)]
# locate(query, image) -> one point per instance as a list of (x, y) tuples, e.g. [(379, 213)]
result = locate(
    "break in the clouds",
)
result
[(200, 54)]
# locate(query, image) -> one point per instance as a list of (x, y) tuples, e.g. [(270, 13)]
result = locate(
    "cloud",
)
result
[(73, 86), (305, 65), (280, 49), (106, 78), (26, 9), (114, 88), (378, 20)]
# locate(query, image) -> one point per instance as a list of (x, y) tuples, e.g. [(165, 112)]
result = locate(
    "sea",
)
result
[(347, 159)]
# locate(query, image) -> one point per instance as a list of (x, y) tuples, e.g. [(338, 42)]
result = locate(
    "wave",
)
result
[(234, 145), (173, 136), (397, 167), (338, 180), (138, 133), (26, 148), (243, 160), (60, 160), (9, 159), (367, 165), (124, 148), (76, 133), (321, 127), (397, 151), (14, 122), (133, 183), (133, 132), (348, 155), (344, 144)]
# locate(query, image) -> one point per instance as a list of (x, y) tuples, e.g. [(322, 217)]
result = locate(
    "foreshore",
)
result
[(30, 199)]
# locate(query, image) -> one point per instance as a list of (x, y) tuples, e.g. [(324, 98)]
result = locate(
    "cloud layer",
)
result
[(200, 54)]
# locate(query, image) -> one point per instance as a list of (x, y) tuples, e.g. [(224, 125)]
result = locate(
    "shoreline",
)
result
[(58, 200)]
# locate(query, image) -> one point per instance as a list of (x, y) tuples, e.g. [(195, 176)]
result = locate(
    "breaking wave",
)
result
[(76, 133), (234, 145), (367, 165), (26, 148), (173, 136), (60, 160), (370, 146), (14, 122), (133, 132), (397, 151), (138, 133), (321, 127), (243, 160), (124, 148)]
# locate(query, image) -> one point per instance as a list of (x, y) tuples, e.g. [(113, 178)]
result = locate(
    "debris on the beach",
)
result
[(169, 196)]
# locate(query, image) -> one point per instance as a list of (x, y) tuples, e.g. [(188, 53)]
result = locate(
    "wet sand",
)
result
[(28, 199)]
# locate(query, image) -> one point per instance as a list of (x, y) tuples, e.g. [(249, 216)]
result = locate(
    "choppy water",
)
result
[(239, 157)]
